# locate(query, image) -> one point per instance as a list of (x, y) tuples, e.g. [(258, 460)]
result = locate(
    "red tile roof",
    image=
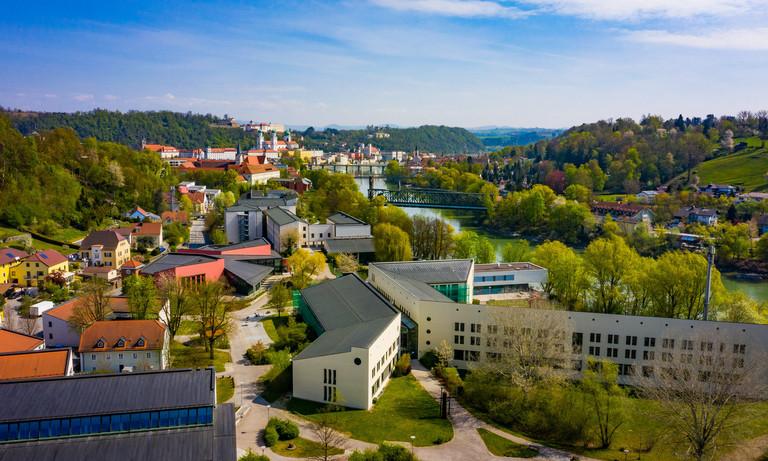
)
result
[(11, 254), (197, 197), (48, 257), (34, 364), (12, 341), (246, 168), (132, 264), (149, 228), (64, 310), (180, 216), (130, 331)]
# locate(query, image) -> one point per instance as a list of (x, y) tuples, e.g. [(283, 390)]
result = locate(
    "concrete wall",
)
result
[(353, 230), (321, 232), (58, 333)]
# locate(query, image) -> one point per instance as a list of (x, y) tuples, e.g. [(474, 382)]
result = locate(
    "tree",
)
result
[(516, 251), (392, 244), (211, 312), (431, 238), (566, 280), (26, 321), (142, 296), (289, 242), (701, 401), (185, 203), (304, 265), (178, 303), (93, 306), (570, 221), (347, 264), (251, 456), (578, 193), (733, 241), (444, 353), (761, 249), (469, 245), (599, 382), (326, 436), (279, 296), (608, 262)]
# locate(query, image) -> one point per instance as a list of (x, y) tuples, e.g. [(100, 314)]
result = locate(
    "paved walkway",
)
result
[(466, 443)]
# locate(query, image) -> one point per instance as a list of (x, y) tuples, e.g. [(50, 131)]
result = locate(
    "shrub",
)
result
[(286, 430), (403, 365), (251, 456), (385, 452), (429, 359), (257, 354), (270, 436), (280, 359), (451, 379)]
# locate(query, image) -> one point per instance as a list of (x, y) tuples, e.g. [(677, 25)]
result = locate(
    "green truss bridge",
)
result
[(430, 198)]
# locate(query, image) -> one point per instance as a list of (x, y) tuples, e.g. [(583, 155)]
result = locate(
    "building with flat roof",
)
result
[(357, 345), (152, 416), (245, 220), (508, 278)]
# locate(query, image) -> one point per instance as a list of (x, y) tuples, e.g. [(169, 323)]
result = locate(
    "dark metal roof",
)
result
[(432, 272), (343, 218), (281, 216), (350, 311), (106, 393), (237, 246), (350, 245), (210, 443), (171, 260), (247, 272), (257, 200)]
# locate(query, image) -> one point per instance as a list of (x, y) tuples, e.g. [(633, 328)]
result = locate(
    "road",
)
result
[(197, 232)]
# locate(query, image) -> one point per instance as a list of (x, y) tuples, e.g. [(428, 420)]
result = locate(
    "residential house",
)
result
[(57, 330), (105, 248), (719, 190), (165, 152), (10, 258), (297, 184), (693, 215), (200, 202), (109, 274), (647, 196), (628, 216), (114, 345), (35, 364), (162, 415), (34, 269), (169, 217), (147, 235), (357, 345), (139, 214), (258, 174), (13, 341), (131, 267)]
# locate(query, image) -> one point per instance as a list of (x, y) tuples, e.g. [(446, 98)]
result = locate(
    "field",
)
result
[(196, 357), (500, 446), (746, 168), (225, 388), (404, 409)]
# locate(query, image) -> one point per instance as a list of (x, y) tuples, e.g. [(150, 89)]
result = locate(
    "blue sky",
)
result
[(549, 63)]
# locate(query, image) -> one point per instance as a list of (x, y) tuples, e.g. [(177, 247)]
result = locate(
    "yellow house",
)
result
[(33, 270), (9, 258), (105, 248)]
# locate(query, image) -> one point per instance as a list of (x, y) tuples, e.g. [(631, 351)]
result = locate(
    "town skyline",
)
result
[(530, 63)]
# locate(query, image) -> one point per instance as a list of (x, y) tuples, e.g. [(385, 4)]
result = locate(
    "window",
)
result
[(738, 362), (649, 342), (149, 355), (706, 346), (140, 342), (474, 340), (612, 352), (458, 339), (458, 354), (647, 372), (120, 356), (668, 343), (687, 345), (458, 326), (686, 358), (631, 341), (594, 350), (626, 369), (493, 329), (648, 355), (100, 344), (594, 337), (630, 354), (50, 324), (135, 356), (473, 356), (667, 356), (475, 327), (93, 356), (50, 335), (576, 342), (740, 349), (613, 339)]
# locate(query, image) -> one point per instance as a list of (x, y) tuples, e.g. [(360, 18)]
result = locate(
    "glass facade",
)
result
[(306, 314), (104, 424), (457, 292), (495, 278)]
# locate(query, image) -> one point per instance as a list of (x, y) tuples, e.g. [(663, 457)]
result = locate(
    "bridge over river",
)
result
[(431, 198)]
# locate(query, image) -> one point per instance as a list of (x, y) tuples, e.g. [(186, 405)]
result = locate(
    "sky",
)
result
[(470, 63)]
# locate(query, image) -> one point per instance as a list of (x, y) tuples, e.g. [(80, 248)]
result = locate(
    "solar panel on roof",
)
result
[(43, 255), (10, 255)]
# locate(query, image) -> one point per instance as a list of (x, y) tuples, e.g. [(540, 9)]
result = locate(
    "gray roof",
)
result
[(432, 272), (106, 393), (342, 218), (257, 200), (352, 245), (281, 216), (207, 443), (107, 238), (350, 311), (250, 273), (236, 246), (171, 260)]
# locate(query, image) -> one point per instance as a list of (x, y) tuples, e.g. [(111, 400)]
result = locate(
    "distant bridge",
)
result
[(355, 169), (431, 198)]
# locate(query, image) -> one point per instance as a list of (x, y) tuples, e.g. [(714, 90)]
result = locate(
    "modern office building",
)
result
[(151, 416), (357, 347), (508, 278), (245, 220)]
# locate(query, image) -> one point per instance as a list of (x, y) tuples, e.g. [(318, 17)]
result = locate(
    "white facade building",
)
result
[(357, 346), (120, 345)]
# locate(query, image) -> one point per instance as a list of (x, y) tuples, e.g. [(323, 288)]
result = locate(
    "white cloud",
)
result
[(50, 96), (111, 97), (643, 9), (457, 8), (724, 39), (83, 97)]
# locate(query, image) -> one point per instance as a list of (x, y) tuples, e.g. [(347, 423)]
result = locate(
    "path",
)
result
[(197, 232), (466, 443)]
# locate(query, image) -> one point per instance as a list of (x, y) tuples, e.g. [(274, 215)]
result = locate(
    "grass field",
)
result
[(500, 446), (188, 328), (271, 325), (404, 409), (225, 388), (197, 357), (746, 168), (302, 448)]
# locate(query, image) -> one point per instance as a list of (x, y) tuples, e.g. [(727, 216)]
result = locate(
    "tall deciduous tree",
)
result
[(212, 312), (608, 262), (347, 264), (304, 265), (566, 281), (279, 297), (391, 243), (93, 306), (142, 296), (178, 303), (604, 395)]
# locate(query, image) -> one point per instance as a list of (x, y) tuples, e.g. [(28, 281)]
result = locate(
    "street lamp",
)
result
[(626, 452), (413, 437)]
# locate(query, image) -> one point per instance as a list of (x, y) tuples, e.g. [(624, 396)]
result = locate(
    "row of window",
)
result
[(330, 394), (494, 278), (120, 356), (90, 425), (329, 376)]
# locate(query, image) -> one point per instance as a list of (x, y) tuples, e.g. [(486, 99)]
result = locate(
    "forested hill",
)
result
[(427, 138), (187, 130)]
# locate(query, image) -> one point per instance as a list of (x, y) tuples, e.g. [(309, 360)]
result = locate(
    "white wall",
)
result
[(317, 229), (353, 230), (58, 333), (111, 360)]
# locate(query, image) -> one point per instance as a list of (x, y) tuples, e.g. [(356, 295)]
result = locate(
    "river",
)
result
[(470, 220)]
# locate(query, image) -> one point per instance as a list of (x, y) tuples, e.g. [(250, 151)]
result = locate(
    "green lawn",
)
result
[(500, 446), (188, 328), (196, 357), (271, 325), (303, 448), (68, 234), (746, 168), (404, 409), (225, 388)]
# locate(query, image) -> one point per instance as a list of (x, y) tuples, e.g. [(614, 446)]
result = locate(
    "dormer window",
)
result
[(100, 344), (140, 342), (121, 342)]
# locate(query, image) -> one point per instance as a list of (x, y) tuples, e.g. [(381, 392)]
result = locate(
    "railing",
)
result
[(431, 198)]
